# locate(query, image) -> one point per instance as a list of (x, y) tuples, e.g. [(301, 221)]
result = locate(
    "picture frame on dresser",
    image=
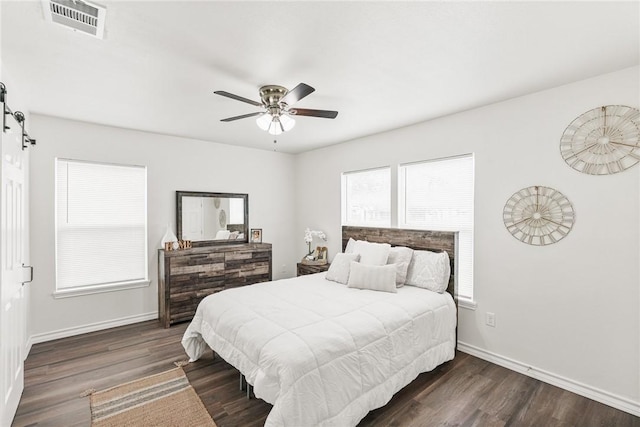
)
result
[(256, 235)]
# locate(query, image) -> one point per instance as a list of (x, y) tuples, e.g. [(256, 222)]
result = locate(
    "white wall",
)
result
[(570, 310), (172, 164)]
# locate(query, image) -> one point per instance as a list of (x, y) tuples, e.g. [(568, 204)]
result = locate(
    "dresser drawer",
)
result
[(187, 276)]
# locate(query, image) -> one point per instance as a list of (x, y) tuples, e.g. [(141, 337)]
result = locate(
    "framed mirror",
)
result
[(212, 218)]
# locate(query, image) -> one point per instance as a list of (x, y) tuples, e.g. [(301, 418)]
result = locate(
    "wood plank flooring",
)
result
[(464, 392)]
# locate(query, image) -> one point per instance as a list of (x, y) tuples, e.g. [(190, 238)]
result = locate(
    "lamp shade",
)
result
[(274, 127), (287, 122), (264, 121), (272, 123)]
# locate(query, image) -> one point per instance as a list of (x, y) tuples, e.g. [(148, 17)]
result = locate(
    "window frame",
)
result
[(466, 301), (343, 196), (88, 289)]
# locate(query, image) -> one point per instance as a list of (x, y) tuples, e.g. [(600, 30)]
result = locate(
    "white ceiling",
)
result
[(382, 65)]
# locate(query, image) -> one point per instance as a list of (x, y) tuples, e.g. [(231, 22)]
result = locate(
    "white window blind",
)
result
[(366, 198), (438, 195), (101, 225)]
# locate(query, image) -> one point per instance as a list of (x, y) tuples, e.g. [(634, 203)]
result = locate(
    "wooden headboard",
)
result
[(435, 241)]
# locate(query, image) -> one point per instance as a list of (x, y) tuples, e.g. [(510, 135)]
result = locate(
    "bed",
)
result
[(322, 353)]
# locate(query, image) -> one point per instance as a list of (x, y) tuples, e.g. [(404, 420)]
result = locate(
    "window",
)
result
[(366, 198), (101, 227), (438, 195)]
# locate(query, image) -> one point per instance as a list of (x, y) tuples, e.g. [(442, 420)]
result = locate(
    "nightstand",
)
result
[(311, 269)]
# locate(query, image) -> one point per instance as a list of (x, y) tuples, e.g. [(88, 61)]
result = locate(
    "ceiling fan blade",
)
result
[(325, 114), (238, 98), (244, 116), (297, 93)]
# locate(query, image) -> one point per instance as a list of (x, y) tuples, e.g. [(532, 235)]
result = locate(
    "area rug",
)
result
[(165, 399)]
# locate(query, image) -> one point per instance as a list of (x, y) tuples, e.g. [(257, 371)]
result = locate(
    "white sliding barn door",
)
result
[(13, 250)]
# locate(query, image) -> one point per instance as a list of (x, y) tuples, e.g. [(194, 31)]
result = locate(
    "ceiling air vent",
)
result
[(78, 15)]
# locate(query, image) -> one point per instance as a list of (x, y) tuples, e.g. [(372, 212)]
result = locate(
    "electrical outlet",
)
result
[(283, 269), (490, 319)]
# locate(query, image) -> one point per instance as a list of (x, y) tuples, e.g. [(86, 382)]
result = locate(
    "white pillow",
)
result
[(401, 257), (429, 270), (340, 266), (350, 246), (373, 277), (222, 234), (402, 269), (370, 253)]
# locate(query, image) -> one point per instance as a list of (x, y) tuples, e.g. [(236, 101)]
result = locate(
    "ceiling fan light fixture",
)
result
[(287, 122), (264, 121), (275, 125), (276, 116)]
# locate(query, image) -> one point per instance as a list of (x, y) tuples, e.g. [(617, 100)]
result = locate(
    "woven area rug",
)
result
[(165, 399)]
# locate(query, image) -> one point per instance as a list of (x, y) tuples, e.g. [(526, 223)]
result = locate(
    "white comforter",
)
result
[(321, 353)]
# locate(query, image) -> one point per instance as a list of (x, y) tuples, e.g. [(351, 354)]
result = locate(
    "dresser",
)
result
[(311, 268), (186, 276)]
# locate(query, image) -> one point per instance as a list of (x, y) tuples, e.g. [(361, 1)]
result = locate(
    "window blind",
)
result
[(438, 195), (101, 224), (366, 198)]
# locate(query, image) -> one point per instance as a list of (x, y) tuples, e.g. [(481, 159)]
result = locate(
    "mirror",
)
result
[(212, 218)]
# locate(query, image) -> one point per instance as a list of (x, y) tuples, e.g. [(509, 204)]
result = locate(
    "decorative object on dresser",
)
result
[(538, 215), (169, 240), (603, 141), (322, 253), (311, 269), (319, 255), (186, 276), (256, 235), (212, 218)]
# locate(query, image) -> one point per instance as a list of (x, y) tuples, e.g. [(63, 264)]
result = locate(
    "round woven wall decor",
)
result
[(603, 141), (222, 217), (538, 215)]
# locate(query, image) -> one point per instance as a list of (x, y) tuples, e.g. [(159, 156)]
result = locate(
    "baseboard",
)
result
[(610, 399), (92, 327), (27, 347)]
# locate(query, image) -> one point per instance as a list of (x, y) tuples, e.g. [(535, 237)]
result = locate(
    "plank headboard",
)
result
[(435, 241)]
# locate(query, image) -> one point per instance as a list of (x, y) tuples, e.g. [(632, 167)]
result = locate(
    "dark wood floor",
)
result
[(465, 392)]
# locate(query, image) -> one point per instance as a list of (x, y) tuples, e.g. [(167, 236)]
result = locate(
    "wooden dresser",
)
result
[(186, 276), (311, 269)]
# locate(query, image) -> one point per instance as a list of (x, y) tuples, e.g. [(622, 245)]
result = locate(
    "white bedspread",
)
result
[(321, 353)]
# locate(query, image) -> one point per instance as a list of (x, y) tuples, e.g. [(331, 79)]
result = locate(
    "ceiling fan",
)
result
[(277, 115)]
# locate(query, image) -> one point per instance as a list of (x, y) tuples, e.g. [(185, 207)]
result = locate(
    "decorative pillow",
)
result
[(401, 257), (373, 277), (222, 234), (429, 270), (401, 273), (370, 253), (349, 249), (340, 266)]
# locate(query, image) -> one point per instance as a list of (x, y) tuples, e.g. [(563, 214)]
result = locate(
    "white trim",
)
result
[(469, 304), (27, 347), (619, 402), (92, 327), (98, 289)]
